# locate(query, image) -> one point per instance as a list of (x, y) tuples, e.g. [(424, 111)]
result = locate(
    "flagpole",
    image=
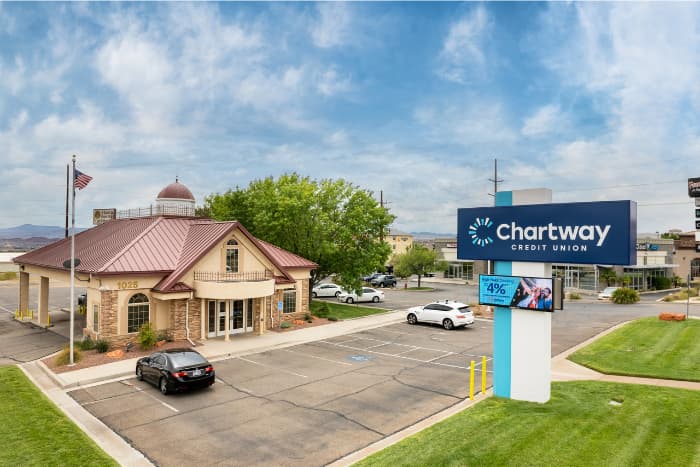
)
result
[(72, 269)]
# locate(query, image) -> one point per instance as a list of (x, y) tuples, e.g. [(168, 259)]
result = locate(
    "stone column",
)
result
[(44, 301), (23, 292)]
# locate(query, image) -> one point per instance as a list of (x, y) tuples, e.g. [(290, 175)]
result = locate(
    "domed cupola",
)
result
[(175, 200)]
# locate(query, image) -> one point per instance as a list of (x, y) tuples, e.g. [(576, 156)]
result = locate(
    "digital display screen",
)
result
[(529, 293)]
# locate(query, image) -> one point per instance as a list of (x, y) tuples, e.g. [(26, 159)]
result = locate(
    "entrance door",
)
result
[(237, 317), (216, 318)]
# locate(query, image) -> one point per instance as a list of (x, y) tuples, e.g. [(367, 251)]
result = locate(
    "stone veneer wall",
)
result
[(178, 312), (302, 302)]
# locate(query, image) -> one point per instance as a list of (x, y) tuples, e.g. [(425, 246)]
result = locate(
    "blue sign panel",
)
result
[(531, 293), (585, 233)]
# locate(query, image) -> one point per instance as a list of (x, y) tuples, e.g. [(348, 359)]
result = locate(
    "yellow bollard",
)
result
[(471, 381), (483, 375)]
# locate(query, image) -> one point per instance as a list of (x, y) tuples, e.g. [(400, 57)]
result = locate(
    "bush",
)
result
[(681, 295), (147, 336), (165, 335), (86, 344), (574, 296), (661, 283), (286, 325), (332, 318), (307, 317), (323, 310), (63, 358), (624, 296), (101, 345)]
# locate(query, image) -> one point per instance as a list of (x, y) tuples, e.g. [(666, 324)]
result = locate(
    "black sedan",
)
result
[(176, 370)]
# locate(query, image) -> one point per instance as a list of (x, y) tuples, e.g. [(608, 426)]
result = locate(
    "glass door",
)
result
[(249, 315), (216, 318), (236, 317)]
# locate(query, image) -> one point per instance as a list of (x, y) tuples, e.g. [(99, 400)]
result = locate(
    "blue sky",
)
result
[(597, 101)]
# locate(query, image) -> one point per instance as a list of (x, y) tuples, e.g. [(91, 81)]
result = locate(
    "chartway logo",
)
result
[(553, 232)]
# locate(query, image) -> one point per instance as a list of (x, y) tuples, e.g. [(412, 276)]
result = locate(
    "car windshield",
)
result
[(609, 289), (181, 359)]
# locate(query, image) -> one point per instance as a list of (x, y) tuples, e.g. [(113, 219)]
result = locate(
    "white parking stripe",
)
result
[(273, 367), (168, 406), (407, 351), (320, 358)]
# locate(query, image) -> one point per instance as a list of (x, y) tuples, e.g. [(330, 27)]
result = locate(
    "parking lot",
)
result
[(304, 405)]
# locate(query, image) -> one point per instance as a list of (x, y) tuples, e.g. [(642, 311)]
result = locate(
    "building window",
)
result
[(138, 312), (95, 318), (232, 256), (290, 301)]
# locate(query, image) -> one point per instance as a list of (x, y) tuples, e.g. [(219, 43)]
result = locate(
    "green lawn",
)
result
[(647, 347), (34, 432), (345, 311), (577, 427)]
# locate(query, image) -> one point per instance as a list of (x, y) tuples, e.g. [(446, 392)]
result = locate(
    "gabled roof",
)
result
[(153, 245)]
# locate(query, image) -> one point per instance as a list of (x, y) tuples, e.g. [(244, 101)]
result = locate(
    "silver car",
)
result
[(368, 295)]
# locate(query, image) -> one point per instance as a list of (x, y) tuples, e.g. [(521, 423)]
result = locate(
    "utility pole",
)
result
[(495, 181), (67, 183), (381, 204)]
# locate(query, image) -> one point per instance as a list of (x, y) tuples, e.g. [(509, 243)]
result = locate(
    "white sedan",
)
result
[(447, 313), (368, 295), (326, 290)]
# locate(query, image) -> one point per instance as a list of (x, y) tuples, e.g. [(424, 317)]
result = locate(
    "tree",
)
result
[(330, 222), (417, 260), (609, 276)]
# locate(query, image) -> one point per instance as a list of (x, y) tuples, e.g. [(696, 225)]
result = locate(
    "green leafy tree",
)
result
[(330, 222), (417, 260)]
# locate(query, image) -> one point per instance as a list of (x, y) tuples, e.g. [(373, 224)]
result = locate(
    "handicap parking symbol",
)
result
[(360, 358)]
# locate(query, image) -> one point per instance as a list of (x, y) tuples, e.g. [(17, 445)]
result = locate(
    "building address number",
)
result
[(128, 284)]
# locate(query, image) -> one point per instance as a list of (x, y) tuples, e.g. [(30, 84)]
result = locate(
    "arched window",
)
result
[(695, 268), (138, 312), (232, 256)]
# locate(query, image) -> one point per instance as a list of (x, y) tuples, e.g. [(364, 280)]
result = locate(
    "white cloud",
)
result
[(462, 51), (333, 26), (330, 82), (545, 120)]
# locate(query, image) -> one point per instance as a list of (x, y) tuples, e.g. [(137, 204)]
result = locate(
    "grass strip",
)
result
[(345, 311), (577, 427), (35, 432), (647, 347)]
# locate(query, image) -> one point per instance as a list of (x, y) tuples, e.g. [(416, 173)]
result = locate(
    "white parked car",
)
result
[(326, 290), (368, 295), (447, 313), (606, 294)]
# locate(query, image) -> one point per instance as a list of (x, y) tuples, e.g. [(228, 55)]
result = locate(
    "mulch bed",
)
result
[(92, 358), (301, 324)]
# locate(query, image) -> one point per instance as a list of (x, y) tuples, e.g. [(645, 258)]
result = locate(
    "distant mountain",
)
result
[(32, 231), (431, 235)]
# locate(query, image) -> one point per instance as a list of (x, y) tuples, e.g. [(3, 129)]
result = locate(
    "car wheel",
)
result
[(375, 299), (448, 324), (163, 385), (314, 294), (337, 294), (412, 319), (139, 373), (349, 300)]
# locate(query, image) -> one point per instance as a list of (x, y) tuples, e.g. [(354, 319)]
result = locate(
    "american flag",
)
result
[(80, 180)]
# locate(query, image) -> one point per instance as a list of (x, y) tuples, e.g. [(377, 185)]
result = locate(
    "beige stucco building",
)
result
[(190, 277), (399, 241)]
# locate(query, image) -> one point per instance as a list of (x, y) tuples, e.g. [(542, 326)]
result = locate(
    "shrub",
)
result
[(574, 296), (323, 310), (63, 358), (101, 345), (661, 283), (286, 325), (147, 336), (86, 344), (307, 317), (624, 295), (165, 335), (681, 295), (332, 318)]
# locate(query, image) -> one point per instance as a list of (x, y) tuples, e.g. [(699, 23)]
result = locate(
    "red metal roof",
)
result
[(165, 245), (175, 190)]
